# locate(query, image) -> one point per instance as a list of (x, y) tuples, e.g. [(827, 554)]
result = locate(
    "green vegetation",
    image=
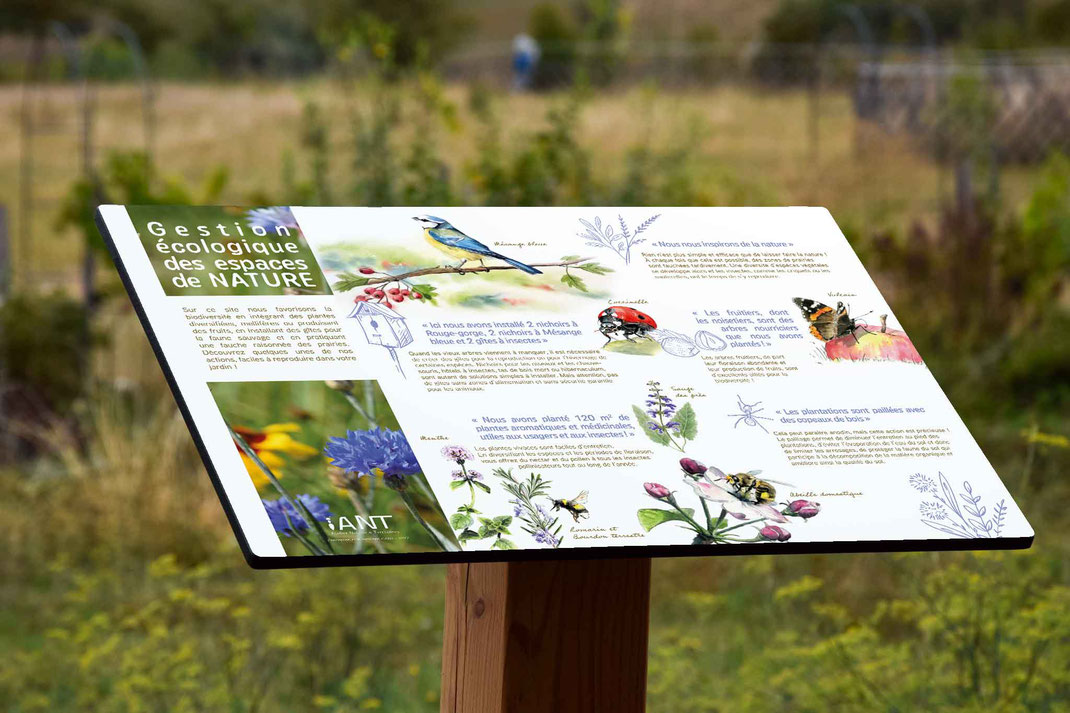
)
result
[(977, 24), (121, 588)]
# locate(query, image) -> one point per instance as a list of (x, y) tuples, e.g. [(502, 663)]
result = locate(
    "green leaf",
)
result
[(348, 281), (688, 421), (469, 535), (427, 292), (454, 484), (494, 526), (574, 282), (503, 544), (662, 439), (594, 267), (566, 258), (482, 486), (460, 520), (649, 518)]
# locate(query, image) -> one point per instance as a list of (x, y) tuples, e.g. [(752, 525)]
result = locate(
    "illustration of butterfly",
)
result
[(827, 322)]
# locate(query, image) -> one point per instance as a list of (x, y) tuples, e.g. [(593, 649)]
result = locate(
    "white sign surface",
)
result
[(389, 385)]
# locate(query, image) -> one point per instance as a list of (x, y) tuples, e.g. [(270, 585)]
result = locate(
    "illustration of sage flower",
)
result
[(665, 423)]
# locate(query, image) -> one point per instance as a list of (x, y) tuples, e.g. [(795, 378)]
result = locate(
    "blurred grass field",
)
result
[(121, 588), (745, 147)]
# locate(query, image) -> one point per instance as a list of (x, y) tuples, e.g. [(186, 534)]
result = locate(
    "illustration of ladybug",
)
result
[(626, 321)]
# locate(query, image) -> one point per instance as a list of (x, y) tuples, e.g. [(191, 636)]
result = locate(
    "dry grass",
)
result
[(134, 490), (762, 142), (735, 20)]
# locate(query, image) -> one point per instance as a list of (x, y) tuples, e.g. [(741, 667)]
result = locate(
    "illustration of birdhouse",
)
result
[(384, 327)]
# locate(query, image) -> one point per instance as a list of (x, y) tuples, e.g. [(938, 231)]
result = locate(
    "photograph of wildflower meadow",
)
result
[(937, 132), (335, 473)]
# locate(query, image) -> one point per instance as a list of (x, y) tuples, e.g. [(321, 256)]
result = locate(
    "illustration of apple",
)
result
[(870, 341)]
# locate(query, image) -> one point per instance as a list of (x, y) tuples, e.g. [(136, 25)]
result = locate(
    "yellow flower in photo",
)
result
[(270, 445)]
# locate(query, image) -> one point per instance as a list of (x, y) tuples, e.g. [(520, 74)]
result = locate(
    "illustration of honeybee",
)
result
[(753, 489), (576, 507)]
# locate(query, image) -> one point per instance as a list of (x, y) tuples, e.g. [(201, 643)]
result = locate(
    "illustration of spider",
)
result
[(749, 414)]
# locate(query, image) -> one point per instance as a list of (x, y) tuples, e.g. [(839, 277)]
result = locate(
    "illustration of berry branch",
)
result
[(393, 289), (959, 514), (604, 235), (665, 423), (536, 520)]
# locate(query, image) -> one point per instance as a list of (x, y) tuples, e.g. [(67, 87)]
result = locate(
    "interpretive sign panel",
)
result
[(388, 385)]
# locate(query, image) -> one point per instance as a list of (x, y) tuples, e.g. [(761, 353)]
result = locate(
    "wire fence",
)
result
[(852, 125), (999, 108), (1019, 101)]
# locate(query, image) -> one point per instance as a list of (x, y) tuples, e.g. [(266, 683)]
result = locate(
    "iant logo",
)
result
[(371, 522)]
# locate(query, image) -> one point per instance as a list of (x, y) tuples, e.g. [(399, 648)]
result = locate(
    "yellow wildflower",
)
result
[(270, 445), (1046, 439)]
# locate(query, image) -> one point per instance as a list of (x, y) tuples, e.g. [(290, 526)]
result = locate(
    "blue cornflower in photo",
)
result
[(364, 451), (284, 517), (272, 219)]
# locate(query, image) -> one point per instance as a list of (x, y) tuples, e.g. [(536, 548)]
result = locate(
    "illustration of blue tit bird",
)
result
[(456, 244)]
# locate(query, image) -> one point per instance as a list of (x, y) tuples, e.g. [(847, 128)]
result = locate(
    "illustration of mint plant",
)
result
[(665, 423), (465, 517), (537, 521), (959, 514), (734, 518), (496, 527), (469, 522), (604, 235)]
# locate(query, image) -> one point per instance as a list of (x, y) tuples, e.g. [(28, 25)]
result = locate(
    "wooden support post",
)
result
[(541, 637)]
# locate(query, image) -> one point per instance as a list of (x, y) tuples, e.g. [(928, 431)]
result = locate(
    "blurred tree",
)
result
[(42, 337), (556, 34), (33, 16), (1051, 22), (604, 26), (978, 22), (422, 31)]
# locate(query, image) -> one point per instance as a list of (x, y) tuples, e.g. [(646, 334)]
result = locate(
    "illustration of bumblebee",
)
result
[(576, 507), (752, 489), (625, 320)]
